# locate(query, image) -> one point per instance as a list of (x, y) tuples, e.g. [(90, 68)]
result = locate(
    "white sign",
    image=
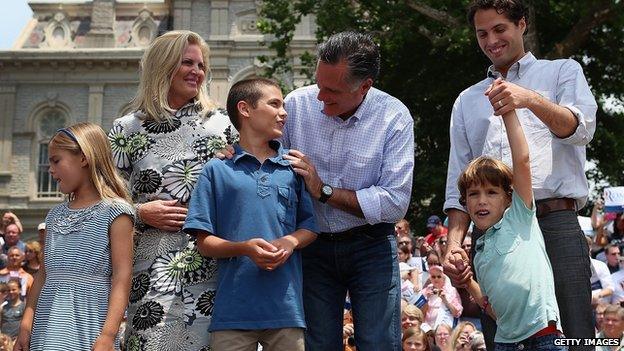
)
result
[(614, 199)]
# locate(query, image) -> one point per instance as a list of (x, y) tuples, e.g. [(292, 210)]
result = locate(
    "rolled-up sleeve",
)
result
[(574, 94), (459, 156), (388, 200)]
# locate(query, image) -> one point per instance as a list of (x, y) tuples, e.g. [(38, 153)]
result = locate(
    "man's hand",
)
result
[(304, 167), (456, 267), (228, 153), (506, 97), (163, 214), (264, 254)]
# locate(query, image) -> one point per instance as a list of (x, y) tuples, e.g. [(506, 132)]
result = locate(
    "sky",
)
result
[(14, 14)]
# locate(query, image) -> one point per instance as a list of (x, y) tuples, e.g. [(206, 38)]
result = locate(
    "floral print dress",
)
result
[(173, 285)]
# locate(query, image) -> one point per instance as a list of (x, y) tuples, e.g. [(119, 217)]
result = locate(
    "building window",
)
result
[(52, 120)]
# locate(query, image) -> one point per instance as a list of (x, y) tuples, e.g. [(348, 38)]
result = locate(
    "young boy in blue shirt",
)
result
[(516, 283), (252, 213)]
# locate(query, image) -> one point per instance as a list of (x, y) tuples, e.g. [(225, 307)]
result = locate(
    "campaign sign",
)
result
[(614, 199)]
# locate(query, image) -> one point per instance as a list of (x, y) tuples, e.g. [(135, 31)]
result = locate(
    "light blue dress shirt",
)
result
[(371, 153), (557, 165)]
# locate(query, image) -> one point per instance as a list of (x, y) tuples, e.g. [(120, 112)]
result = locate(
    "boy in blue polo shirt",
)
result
[(516, 283), (252, 213)]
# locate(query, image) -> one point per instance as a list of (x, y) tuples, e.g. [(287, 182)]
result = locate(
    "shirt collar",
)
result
[(516, 69), (359, 112), (240, 153)]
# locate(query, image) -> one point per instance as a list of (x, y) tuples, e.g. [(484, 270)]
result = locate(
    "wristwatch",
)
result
[(326, 192)]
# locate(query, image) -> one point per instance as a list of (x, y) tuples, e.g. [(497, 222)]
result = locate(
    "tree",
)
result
[(429, 55)]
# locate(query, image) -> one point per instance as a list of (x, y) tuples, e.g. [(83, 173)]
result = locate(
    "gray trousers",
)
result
[(569, 257)]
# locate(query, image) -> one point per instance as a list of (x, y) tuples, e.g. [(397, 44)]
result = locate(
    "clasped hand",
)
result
[(269, 255), (506, 97), (457, 267)]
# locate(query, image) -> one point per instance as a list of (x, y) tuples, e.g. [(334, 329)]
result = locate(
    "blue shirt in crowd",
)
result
[(241, 199)]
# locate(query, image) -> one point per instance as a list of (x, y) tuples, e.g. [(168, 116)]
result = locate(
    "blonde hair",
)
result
[(457, 331), (159, 63), (484, 170), (90, 140), (414, 312), (35, 247)]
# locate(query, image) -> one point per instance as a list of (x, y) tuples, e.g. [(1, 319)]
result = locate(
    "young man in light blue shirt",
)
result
[(253, 212), (511, 263)]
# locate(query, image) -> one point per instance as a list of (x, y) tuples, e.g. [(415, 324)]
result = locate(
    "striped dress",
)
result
[(73, 302)]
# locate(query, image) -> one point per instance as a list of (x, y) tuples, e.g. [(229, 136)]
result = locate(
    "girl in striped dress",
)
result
[(81, 290)]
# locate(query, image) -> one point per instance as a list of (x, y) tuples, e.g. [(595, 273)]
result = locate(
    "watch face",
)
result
[(327, 190)]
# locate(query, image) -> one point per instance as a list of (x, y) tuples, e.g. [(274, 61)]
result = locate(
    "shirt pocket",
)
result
[(506, 243), (529, 119), (361, 170), (285, 206)]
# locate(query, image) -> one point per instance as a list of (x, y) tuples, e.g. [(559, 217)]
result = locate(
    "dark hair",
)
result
[(248, 90), (359, 50), (514, 10)]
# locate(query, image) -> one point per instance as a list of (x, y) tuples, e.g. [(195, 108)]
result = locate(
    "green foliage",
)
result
[(427, 62)]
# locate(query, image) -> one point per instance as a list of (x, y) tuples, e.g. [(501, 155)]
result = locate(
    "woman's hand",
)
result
[(163, 214), (463, 342), (104, 343), (22, 343)]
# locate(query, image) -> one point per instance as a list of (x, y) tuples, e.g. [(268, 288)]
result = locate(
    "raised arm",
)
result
[(519, 152)]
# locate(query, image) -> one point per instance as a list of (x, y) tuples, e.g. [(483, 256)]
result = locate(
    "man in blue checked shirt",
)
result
[(354, 147)]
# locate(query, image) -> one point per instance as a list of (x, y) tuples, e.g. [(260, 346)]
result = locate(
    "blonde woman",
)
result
[(161, 148), (460, 338), (33, 257)]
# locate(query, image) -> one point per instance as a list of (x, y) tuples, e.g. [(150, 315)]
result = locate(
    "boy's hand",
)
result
[(286, 243), (264, 254), (228, 153)]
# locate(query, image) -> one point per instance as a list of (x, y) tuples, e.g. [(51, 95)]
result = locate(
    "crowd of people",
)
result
[(277, 222), (20, 261), (420, 268)]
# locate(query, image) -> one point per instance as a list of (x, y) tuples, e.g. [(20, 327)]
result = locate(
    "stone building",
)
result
[(77, 60)]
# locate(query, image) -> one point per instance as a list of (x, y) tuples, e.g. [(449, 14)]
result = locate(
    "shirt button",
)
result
[(520, 346)]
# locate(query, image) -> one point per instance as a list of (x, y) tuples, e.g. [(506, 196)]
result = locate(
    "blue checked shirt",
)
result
[(371, 153)]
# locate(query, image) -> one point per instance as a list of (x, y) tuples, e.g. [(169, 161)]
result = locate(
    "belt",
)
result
[(546, 206), (374, 230), (551, 329), (529, 342)]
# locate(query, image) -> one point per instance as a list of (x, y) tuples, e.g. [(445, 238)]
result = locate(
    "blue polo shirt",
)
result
[(514, 272), (241, 199)]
